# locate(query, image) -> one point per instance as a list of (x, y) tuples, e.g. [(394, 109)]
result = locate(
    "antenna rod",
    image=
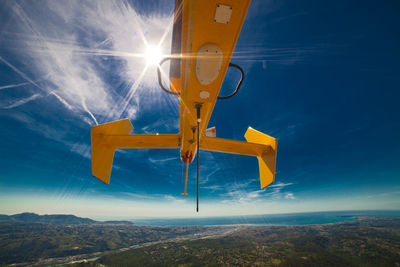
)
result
[(187, 168), (198, 107)]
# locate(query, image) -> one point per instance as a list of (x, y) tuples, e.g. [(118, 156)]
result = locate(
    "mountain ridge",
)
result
[(61, 219)]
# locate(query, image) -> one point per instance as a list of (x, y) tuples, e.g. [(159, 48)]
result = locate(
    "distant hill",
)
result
[(54, 219)]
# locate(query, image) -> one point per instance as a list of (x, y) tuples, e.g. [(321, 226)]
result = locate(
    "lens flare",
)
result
[(153, 55)]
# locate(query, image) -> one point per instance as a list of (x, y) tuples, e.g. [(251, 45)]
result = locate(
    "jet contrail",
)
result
[(33, 82), (22, 101), (13, 85)]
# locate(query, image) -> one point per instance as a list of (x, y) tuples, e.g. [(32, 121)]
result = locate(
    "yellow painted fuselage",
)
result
[(199, 28), (204, 37)]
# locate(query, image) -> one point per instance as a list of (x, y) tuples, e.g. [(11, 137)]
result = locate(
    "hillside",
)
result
[(369, 241), (61, 219)]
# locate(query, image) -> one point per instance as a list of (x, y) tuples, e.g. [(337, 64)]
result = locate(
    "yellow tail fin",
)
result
[(267, 160), (258, 144), (108, 137), (103, 152)]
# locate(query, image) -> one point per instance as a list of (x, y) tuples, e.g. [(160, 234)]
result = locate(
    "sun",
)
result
[(153, 55)]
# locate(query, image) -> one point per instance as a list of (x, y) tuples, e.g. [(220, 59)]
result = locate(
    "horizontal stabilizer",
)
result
[(102, 153), (108, 137), (258, 144)]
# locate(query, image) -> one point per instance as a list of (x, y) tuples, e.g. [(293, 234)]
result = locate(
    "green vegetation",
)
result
[(32, 242), (369, 241)]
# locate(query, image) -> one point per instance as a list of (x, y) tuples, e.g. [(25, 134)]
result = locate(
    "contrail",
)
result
[(87, 110), (22, 101), (33, 82), (19, 11), (61, 100), (13, 85), (20, 72)]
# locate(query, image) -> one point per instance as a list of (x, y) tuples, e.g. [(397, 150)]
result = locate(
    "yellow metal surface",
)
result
[(103, 154), (141, 141), (198, 29), (259, 144), (267, 160), (232, 146), (108, 137)]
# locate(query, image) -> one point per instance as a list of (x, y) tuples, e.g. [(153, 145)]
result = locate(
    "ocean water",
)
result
[(268, 219)]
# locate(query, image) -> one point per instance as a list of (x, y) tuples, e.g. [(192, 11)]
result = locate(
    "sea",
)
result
[(308, 218)]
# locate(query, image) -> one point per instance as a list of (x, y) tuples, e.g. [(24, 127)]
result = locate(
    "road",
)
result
[(219, 231)]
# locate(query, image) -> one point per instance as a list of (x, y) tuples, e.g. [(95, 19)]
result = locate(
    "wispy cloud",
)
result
[(13, 85), (213, 187), (279, 185), (285, 128), (136, 196), (22, 101), (82, 149), (76, 50), (152, 160), (289, 196), (208, 176), (175, 200), (30, 81), (244, 193), (88, 56)]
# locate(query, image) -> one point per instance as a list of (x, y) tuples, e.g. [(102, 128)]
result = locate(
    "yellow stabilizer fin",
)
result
[(103, 153), (258, 144), (108, 137), (267, 160)]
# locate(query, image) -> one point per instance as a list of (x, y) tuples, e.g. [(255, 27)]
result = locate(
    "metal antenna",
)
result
[(198, 107)]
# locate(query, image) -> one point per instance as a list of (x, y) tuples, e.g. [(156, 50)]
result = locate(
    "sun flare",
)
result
[(153, 55)]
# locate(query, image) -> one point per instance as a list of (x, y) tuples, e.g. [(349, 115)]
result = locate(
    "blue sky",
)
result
[(321, 76)]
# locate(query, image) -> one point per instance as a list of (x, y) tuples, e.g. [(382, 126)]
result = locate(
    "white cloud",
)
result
[(87, 54), (289, 196), (213, 187), (12, 85), (209, 175), (82, 149), (244, 192), (175, 200), (163, 160), (22, 101), (280, 185), (138, 197), (72, 43)]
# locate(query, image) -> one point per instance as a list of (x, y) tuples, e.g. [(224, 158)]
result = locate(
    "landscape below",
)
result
[(33, 239)]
